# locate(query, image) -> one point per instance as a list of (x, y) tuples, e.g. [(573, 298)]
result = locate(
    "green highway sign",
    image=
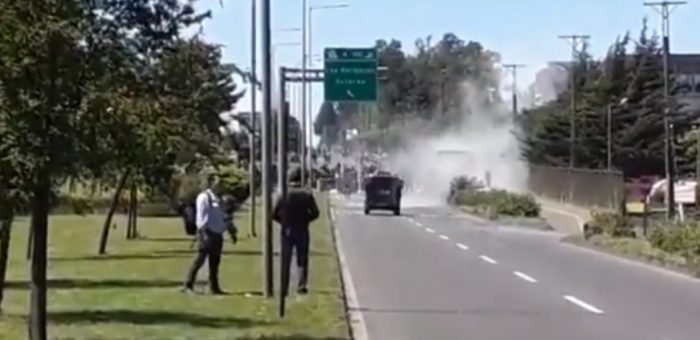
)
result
[(350, 74)]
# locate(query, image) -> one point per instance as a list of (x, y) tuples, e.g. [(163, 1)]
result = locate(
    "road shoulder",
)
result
[(355, 319)]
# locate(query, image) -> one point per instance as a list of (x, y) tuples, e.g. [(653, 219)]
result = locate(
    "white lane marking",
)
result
[(418, 224), (357, 319), (582, 304), (444, 237), (488, 259), (432, 231), (462, 246), (524, 276)]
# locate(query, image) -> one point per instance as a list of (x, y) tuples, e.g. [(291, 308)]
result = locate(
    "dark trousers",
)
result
[(209, 247), (295, 241)]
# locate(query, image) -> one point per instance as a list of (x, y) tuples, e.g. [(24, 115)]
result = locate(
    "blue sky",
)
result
[(523, 31)]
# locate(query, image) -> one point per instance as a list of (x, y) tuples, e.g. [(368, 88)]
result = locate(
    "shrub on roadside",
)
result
[(683, 240), (462, 183), (500, 202), (611, 224)]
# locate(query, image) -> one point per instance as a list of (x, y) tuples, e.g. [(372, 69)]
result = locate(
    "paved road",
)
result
[(435, 274)]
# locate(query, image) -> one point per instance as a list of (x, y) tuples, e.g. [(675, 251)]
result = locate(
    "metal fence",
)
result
[(582, 187)]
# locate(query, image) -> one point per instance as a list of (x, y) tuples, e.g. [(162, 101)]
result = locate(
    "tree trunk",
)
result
[(108, 220), (39, 224), (5, 233), (133, 213)]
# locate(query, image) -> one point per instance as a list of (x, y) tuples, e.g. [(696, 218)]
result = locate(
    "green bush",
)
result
[(234, 183), (680, 239), (81, 205), (500, 202), (610, 224), (155, 209), (185, 187)]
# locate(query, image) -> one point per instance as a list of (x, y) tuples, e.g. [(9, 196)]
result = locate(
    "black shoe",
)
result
[(302, 291), (217, 291)]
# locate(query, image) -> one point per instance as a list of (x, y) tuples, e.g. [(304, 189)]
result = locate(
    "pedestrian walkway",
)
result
[(565, 218)]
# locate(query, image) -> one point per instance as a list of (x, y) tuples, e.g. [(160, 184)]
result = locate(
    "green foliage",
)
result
[(427, 86), (234, 183), (630, 87), (462, 183), (500, 202), (610, 224), (683, 240)]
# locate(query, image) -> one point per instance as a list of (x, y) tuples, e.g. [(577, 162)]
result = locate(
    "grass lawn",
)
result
[(133, 292)]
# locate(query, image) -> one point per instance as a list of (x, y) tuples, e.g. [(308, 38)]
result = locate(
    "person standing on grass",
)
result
[(211, 220), (294, 213)]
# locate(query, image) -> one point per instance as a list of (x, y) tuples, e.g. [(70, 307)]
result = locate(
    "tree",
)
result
[(637, 126), (69, 80), (326, 124), (44, 83)]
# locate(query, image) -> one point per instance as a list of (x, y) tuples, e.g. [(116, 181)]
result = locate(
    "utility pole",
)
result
[(268, 271), (514, 73), (304, 130), (574, 39), (282, 135), (252, 168), (663, 9)]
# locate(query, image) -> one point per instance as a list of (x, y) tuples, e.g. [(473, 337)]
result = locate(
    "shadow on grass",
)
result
[(290, 337), (233, 252), (97, 284), (148, 317), (112, 257), (166, 239)]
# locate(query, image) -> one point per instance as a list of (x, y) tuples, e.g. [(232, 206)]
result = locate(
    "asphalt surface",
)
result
[(434, 273)]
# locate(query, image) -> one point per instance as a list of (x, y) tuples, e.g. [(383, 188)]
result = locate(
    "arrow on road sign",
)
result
[(350, 94)]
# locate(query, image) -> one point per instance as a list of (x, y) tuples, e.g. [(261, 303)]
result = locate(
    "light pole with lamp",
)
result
[(623, 101)]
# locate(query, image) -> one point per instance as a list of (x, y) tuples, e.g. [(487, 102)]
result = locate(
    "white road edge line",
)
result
[(357, 319), (488, 259), (462, 246), (524, 276), (432, 231), (444, 237), (583, 305)]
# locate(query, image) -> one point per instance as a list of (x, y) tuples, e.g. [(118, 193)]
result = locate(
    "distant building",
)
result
[(552, 80)]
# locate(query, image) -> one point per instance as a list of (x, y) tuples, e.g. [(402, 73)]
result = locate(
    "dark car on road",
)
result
[(383, 192)]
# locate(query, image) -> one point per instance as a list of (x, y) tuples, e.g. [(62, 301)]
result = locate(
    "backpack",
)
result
[(189, 215)]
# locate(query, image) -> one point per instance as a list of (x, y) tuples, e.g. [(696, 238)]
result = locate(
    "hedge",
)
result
[(184, 188), (500, 202), (610, 224)]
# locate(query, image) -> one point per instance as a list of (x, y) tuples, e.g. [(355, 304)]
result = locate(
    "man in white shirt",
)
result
[(211, 224)]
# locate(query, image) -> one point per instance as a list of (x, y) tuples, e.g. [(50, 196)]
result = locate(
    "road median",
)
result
[(133, 292)]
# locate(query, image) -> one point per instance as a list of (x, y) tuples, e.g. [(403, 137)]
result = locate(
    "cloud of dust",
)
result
[(483, 142)]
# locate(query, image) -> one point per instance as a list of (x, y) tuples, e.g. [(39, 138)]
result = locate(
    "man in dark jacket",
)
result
[(295, 213)]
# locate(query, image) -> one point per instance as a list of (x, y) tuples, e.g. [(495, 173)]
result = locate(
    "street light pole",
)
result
[(669, 161), (303, 92), (268, 271), (252, 168), (514, 69)]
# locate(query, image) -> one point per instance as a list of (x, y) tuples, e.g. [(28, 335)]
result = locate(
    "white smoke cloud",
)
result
[(484, 141)]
